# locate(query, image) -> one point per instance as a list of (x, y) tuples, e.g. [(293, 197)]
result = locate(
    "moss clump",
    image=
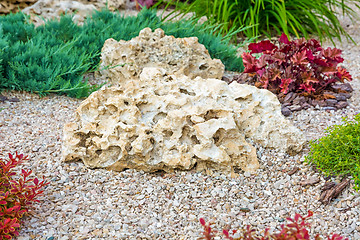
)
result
[(339, 151)]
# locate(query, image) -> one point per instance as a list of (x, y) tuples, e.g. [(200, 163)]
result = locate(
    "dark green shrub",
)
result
[(44, 59), (339, 151), (272, 17), (54, 57)]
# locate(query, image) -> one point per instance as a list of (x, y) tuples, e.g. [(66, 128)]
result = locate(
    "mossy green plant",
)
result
[(338, 152)]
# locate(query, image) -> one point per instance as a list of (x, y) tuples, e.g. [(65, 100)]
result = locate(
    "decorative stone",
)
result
[(342, 104), (344, 87), (346, 95), (177, 56), (341, 97), (331, 102), (294, 108), (7, 6), (48, 9), (299, 100), (166, 122), (289, 97), (320, 103), (329, 108), (285, 111)]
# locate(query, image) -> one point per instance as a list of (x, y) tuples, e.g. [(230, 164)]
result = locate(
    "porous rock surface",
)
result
[(163, 122), (177, 56), (7, 6), (50, 9)]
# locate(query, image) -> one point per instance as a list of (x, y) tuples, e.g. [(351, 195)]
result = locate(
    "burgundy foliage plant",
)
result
[(296, 229), (300, 66), (17, 192)]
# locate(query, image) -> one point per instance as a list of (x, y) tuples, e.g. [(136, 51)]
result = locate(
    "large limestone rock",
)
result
[(177, 56), (163, 122)]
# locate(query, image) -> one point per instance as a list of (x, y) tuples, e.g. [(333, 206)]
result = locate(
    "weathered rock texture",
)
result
[(177, 56), (7, 6), (163, 122), (49, 9)]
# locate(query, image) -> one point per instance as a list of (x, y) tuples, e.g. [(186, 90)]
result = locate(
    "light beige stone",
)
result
[(50, 9), (177, 56), (7, 6), (165, 122)]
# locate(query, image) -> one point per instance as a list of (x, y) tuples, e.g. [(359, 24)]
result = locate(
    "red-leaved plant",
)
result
[(143, 3), (295, 230), (17, 192), (301, 66)]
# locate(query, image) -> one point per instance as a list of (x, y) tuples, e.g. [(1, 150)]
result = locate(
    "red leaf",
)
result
[(202, 221), (300, 58), (307, 87), (329, 70), (285, 85), (310, 55), (279, 57), (314, 44), (262, 61), (264, 82), (343, 74), (226, 233), (250, 63), (321, 62), (36, 181), (284, 39), (275, 74), (331, 53), (308, 78), (263, 46)]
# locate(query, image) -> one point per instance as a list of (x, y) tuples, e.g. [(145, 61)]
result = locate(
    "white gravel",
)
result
[(97, 204)]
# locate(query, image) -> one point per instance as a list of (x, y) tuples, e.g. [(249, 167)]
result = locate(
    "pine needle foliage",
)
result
[(301, 18), (55, 56), (339, 151)]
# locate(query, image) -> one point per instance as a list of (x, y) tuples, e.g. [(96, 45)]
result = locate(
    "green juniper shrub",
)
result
[(301, 18), (54, 57), (16, 27), (338, 152), (42, 59)]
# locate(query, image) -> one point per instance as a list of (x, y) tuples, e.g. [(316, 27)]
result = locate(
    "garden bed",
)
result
[(80, 203)]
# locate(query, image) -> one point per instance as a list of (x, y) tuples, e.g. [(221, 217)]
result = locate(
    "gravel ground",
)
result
[(81, 203)]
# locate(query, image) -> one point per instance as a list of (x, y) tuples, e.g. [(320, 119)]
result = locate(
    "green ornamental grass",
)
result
[(338, 152), (301, 18)]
